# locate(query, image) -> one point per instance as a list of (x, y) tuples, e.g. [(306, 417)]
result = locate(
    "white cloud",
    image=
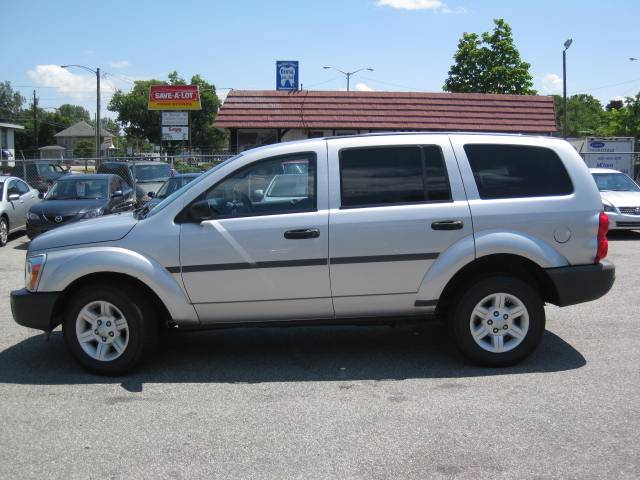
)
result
[(434, 5), (363, 87), (77, 86), (119, 63), (551, 84)]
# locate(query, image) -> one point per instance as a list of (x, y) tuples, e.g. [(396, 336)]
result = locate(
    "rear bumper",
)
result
[(34, 309), (582, 283)]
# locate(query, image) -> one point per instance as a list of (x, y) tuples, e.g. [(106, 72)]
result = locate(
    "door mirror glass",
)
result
[(13, 197), (201, 211)]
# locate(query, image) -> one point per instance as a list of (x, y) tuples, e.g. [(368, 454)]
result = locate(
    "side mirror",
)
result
[(258, 194), (151, 194), (117, 193), (40, 195), (200, 211), (14, 197)]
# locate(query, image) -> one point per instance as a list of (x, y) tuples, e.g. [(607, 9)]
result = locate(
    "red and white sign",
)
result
[(174, 97), (175, 133)]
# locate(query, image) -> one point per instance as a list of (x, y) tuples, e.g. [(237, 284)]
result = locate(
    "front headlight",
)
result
[(93, 213), (32, 271), (608, 207), (33, 216)]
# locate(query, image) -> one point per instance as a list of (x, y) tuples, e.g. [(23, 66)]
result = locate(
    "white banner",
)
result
[(175, 133), (175, 118), (611, 152)]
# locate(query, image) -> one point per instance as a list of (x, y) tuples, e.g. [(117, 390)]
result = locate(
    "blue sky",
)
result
[(234, 44)]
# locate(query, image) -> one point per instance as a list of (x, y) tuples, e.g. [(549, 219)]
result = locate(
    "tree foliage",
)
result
[(489, 63), (11, 101), (142, 124), (84, 148)]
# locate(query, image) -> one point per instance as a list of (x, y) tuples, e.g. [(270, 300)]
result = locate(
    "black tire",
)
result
[(139, 314), (4, 224), (473, 293)]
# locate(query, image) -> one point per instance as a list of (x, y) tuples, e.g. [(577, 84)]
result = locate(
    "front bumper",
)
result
[(581, 283), (37, 228), (619, 221), (34, 309)]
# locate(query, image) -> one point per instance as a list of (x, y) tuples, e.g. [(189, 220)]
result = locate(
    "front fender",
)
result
[(65, 266)]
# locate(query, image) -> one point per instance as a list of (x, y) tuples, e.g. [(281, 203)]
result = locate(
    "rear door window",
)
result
[(513, 171), (380, 176)]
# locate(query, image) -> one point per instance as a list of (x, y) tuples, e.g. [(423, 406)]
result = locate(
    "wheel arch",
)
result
[(497, 264), (120, 280)]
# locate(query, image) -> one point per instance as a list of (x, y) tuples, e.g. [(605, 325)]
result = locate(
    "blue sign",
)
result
[(286, 75), (596, 144)]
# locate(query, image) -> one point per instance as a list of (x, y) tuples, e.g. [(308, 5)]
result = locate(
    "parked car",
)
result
[(170, 186), (16, 197), (40, 174), (78, 197), (149, 175), (480, 230), (291, 187), (620, 198)]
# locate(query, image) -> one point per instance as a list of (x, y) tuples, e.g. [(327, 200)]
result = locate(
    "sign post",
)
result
[(175, 103)]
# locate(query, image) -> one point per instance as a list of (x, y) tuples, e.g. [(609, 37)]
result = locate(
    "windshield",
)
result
[(617, 182), (153, 173), (77, 189), (172, 185), (188, 186)]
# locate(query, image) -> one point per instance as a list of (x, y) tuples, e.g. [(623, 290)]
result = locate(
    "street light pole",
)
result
[(567, 44), (348, 74), (97, 72)]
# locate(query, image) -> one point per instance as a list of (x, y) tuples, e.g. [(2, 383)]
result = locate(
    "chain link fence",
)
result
[(143, 174)]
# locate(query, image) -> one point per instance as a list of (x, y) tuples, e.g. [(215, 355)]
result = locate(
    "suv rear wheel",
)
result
[(109, 330), (498, 320)]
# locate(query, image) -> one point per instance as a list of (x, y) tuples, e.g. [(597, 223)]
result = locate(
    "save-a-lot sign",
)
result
[(174, 97)]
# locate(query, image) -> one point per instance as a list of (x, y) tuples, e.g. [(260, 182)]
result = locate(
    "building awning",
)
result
[(387, 111)]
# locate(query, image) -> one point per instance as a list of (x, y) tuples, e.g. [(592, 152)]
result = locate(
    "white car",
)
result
[(620, 198)]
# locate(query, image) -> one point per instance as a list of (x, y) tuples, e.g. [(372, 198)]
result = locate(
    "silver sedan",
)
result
[(16, 197)]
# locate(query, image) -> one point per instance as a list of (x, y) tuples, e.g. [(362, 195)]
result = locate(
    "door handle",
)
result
[(302, 233), (448, 225)]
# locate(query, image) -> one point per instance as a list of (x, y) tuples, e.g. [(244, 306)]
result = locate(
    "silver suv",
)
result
[(480, 230)]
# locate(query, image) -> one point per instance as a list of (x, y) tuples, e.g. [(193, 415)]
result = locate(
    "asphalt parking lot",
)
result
[(331, 402)]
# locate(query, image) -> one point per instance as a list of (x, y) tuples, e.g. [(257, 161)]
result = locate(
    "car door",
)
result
[(258, 260), (17, 209), (395, 207), (28, 195)]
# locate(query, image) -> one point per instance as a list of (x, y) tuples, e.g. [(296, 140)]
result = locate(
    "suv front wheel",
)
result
[(498, 320), (109, 330)]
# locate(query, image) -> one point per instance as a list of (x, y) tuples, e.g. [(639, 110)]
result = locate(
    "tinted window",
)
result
[(22, 187), (245, 192), (78, 188), (392, 175), (511, 171), (153, 173)]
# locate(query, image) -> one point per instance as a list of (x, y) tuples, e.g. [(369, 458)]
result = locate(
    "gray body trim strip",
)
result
[(303, 262)]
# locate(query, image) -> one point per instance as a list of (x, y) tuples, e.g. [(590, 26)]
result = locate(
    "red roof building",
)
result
[(265, 116)]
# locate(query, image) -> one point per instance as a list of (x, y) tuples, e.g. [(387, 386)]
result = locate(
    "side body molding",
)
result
[(65, 266)]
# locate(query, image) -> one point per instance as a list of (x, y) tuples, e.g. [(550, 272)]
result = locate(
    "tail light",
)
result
[(603, 243)]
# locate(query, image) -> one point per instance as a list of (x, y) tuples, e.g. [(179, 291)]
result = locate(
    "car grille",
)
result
[(628, 224), (630, 210), (52, 218)]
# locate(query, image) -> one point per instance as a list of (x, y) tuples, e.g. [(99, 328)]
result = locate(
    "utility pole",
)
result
[(567, 44), (98, 117), (35, 121)]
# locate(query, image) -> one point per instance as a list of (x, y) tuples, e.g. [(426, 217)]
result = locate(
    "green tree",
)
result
[(10, 101), (585, 115), (489, 63), (84, 148), (140, 124)]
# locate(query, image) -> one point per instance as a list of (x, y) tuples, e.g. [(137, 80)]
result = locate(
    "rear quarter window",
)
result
[(514, 171)]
